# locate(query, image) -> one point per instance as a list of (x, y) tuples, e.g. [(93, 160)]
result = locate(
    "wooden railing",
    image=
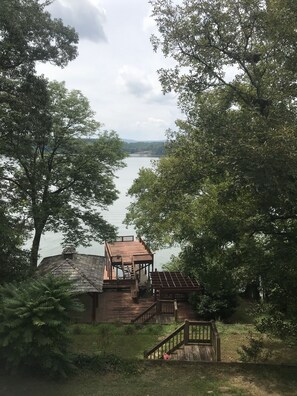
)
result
[(125, 238), (199, 333), (174, 341), (158, 308), (146, 315)]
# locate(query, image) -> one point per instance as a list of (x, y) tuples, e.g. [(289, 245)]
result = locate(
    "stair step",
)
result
[(201, 353)]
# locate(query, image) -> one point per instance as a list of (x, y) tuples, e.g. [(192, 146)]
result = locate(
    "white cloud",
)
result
[(148, 24), (137, 82), (134, 81), (87, 19), (118, 76)]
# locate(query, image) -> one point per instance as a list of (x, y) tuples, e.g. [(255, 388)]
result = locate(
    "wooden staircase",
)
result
[(117, 306), (197, 340)]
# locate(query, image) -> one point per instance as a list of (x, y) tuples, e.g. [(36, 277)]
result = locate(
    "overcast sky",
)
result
[(116, 68)]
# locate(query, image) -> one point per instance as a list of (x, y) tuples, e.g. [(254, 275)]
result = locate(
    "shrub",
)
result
[(254, 351), (214, 306), (34, 325)]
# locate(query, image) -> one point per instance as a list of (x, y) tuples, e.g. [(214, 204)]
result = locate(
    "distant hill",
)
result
[(146, 148), (149, 149)]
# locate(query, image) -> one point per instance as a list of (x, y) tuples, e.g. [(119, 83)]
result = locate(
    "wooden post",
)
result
[(94, 306), (175, 308), (158, 307), (218, 349), (186, 332)]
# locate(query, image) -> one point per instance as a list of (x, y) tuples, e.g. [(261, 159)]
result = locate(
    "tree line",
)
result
[(146, 148)]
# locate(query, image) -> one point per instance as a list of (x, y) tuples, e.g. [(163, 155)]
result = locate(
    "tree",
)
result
[(51, 177), (227, 190), (28, 35)]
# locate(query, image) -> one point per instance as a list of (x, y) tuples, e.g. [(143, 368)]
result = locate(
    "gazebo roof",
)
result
[(85, 270), (174, 282)]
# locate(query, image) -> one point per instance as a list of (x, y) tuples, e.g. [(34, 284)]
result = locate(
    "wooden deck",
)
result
[(126, 250), (117, 306)]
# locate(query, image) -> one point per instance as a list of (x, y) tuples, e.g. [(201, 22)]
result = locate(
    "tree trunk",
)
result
[(35, 249)]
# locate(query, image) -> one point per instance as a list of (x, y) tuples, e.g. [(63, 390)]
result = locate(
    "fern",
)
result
[(34, 322)]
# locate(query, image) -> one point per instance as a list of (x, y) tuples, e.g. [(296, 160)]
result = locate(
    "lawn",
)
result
[(164, 378), (130, 341), (147, 378)]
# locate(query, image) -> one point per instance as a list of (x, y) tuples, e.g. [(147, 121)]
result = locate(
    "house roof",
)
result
[(85, 270)]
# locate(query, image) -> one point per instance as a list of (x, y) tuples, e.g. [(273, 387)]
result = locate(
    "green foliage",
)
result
[(34, 319), (226, 191), (106, 338), (53, 178), (278, 324), (255, 350), (28, 34), (217, 306), (14, 263)]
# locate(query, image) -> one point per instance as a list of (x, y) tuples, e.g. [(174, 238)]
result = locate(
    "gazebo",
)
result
[(87, 273)]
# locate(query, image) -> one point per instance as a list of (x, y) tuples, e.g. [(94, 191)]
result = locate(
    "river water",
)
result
[(51, 242)]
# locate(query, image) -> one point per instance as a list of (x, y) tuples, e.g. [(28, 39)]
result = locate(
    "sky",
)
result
[(116, 68)]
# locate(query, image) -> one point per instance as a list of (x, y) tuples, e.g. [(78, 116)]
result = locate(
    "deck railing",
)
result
[(174, 341), (199, 333), (160, 307)]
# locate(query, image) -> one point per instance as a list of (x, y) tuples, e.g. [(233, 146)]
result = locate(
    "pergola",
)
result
[(165, 283)]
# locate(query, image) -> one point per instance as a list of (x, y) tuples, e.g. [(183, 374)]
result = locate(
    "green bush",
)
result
[(254, 351), (214, 306), (34, 325)]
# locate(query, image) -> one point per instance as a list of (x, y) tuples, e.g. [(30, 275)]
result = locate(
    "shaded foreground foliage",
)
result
[(34, 325)]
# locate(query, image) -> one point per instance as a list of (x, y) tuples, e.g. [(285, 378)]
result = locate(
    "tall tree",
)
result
[(28, 35), (51, 177), (227, 191)]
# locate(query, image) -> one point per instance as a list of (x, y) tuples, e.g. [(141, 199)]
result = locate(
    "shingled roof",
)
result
[(85, 270)]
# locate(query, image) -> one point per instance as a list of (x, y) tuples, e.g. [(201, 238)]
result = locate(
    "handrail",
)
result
[(159, 307), (146, 315), (168, 345), (202, 332)]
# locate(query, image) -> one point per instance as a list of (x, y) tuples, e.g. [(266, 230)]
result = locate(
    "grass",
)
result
[(164, 378), (128, 341)]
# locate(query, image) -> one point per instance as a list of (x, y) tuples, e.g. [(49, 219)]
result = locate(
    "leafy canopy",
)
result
[(227, 189), (51, 176)]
